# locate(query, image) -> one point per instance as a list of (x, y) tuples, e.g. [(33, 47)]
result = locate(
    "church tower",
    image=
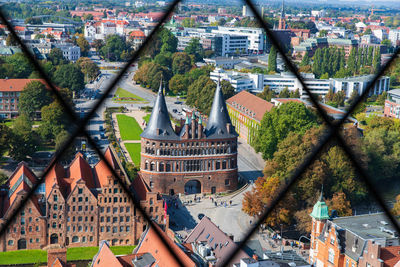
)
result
[(282, 21), (319, 214)]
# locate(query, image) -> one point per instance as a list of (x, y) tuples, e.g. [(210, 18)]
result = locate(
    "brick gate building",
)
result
[(191, 158)]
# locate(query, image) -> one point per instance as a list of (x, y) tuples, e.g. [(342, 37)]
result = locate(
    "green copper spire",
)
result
[(320, 210)]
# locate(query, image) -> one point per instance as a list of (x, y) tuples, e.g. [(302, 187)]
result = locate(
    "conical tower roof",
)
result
[(320, 210), (219, 118), (159, 126)]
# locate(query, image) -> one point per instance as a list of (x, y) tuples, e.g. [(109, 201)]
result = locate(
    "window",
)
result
[(128, 209), (115, 229), (115, 219), (121, 209), (128, 228), (55, 207), (127, 218), (331, 255), (75, 239), (121, 228), (115, 210), (10, 242), (121, 218), (55, 198), (102, 229)]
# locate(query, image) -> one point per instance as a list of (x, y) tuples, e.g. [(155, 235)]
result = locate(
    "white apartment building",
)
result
[(277, 82), (394, 36), (70, 52), (255, 36)]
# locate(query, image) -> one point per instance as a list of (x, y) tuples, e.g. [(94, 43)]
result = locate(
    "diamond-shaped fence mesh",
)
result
[(332, 133)]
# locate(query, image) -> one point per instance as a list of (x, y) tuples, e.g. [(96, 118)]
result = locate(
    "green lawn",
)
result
[(134, 152), (87, 253), (122, 95), (40, 256), (147, 118), (128, 127)]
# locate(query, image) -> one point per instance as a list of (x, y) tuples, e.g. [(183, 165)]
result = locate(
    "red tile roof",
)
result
[(22, 179), (105, 257), (137, 34), (221, 244), (152, 244), (390, 256), (101, 169), (251, 103), (80, 169), (16, 85)]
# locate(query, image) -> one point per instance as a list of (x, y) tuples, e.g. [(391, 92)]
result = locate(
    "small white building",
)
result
[(70, 52), (394, 36)]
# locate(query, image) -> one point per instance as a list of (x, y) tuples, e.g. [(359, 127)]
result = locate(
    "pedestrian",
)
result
[(215, 203), (230, 203)]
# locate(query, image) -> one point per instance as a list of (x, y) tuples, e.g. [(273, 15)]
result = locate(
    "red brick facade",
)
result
[(167, 166), (81, 206)]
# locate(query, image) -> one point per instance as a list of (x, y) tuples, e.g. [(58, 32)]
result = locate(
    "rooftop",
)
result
[(368, 226), (250, 104)]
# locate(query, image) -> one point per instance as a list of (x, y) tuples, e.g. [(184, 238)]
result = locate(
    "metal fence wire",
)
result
[(332, 133)]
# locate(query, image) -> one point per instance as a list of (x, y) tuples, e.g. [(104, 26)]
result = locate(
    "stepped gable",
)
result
[(79, 169), (219, 123), (159, 126)]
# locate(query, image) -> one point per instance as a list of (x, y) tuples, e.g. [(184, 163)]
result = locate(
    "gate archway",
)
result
[(193, 187)]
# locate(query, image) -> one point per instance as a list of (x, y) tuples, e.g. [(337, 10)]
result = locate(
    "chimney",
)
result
[(229, 128)]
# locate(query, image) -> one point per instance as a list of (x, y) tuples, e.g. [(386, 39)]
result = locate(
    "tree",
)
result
[(279, 122), (195, 48), (396, 206), (54, 121), (56, 57), (387, 42), (87, 17), (227, 89), (19, 66), (201, 93), (376, 62), (88, 68), (323, 33), (164, 59), (23, 141), (353, 97), (97, 44), (284, 93), (267, 94), (272, 67), (370, 56), (340, 203), (83, 44), (264, 192), (69, 76), (178, 84), (352, 60), (4, 138), (11, 41), (60, 140), (380, 100), (3, 178), (113, 48), (305, 61), (181, 63), (34, 96)]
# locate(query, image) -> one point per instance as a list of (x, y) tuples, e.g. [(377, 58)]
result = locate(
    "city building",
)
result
[(211, 244), (10, 90), (137, 38), (342, 241), (150, 251), (256, 82), (70, 52), (310, 45), (256, 37), (392, 104), (394, 36), (282, 20), (78, 205), (246, 111), (191, 158)]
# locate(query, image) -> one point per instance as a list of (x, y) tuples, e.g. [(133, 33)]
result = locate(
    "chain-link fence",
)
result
[(332, 131)]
